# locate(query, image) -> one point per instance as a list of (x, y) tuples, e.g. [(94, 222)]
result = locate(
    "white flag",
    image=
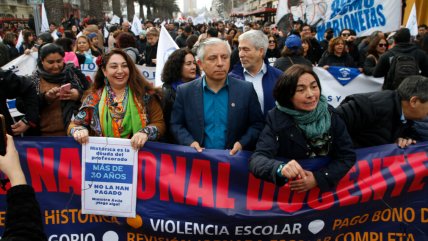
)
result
[(136, 26), (54, 35), (19, 41), (412, 21), (166, 46), (281, 10), (115, 20), (45, 23)]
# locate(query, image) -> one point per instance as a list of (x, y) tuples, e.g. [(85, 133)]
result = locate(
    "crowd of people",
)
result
[(228, 88)]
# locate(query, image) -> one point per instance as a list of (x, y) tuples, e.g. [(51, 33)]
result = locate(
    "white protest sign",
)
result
[(109, 177)]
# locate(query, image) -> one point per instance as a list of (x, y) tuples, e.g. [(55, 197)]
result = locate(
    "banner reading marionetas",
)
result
[(362, 16), (211, 196)]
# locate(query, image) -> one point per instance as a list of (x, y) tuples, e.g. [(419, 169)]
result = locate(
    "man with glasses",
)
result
[(315, 46), (254, 68)]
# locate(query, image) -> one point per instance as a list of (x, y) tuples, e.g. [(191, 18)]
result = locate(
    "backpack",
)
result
[(402, 66)]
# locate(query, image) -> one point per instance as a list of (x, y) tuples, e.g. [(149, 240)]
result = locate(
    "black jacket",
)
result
[(282, 138), (375, 118), (13, 86), (150, 54), (23, 217), (333, 60), (384, 62)]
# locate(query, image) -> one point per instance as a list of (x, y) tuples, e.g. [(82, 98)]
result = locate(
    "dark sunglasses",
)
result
[(346, 34), (382, 45), (272, 41)]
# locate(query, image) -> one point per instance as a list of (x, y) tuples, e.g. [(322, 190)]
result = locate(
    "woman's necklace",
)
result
[(119, 98)]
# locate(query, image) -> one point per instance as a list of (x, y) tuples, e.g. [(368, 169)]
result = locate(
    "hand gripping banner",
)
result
[(184, 195)]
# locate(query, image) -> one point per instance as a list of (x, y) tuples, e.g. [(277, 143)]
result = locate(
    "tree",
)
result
[(116, 8), (141, 2), (96, 9), (55, 11), (130, 9)]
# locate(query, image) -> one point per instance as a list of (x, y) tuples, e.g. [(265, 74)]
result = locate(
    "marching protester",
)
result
[(216, 111), (255, 69), (84, 47), (394, 72), (28, 42), (126, 42), (386, 117), (291, 54), (14, 86), (23, 216), (10, 39), (152, 37), (336, 55), (315, 47), (121, 103), (273, 52), (59, 87), (180, 68), (377, 47), (302, 126)]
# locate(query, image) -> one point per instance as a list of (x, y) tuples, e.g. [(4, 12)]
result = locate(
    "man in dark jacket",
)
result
[(13, 86), (386, 117), (402, 47), (216, 111), (181, 40), (253, 45)]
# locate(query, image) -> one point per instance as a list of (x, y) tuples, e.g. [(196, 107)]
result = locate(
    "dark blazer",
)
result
[(282, 138), (245, 119)]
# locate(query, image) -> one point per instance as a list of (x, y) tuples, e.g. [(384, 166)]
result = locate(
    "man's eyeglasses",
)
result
[(346, 34), (382, 45)]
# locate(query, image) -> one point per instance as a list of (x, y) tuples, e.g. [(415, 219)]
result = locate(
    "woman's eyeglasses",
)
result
[(382, 45), (272, 41), (346, 34)]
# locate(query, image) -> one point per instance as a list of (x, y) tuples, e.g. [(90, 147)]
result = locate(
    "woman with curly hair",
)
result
[(336, 55), (179, 68), (121, 103)]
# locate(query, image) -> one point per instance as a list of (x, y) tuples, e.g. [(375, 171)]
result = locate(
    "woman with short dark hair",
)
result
[(302, 126)]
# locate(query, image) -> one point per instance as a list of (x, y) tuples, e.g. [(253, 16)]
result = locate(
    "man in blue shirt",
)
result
[(216, 111)]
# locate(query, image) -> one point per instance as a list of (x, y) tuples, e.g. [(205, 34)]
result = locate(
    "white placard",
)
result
[(109, 177)]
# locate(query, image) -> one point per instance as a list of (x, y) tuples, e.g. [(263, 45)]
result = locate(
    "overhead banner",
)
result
[(339, 82), (363, 16), (185, 195)]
